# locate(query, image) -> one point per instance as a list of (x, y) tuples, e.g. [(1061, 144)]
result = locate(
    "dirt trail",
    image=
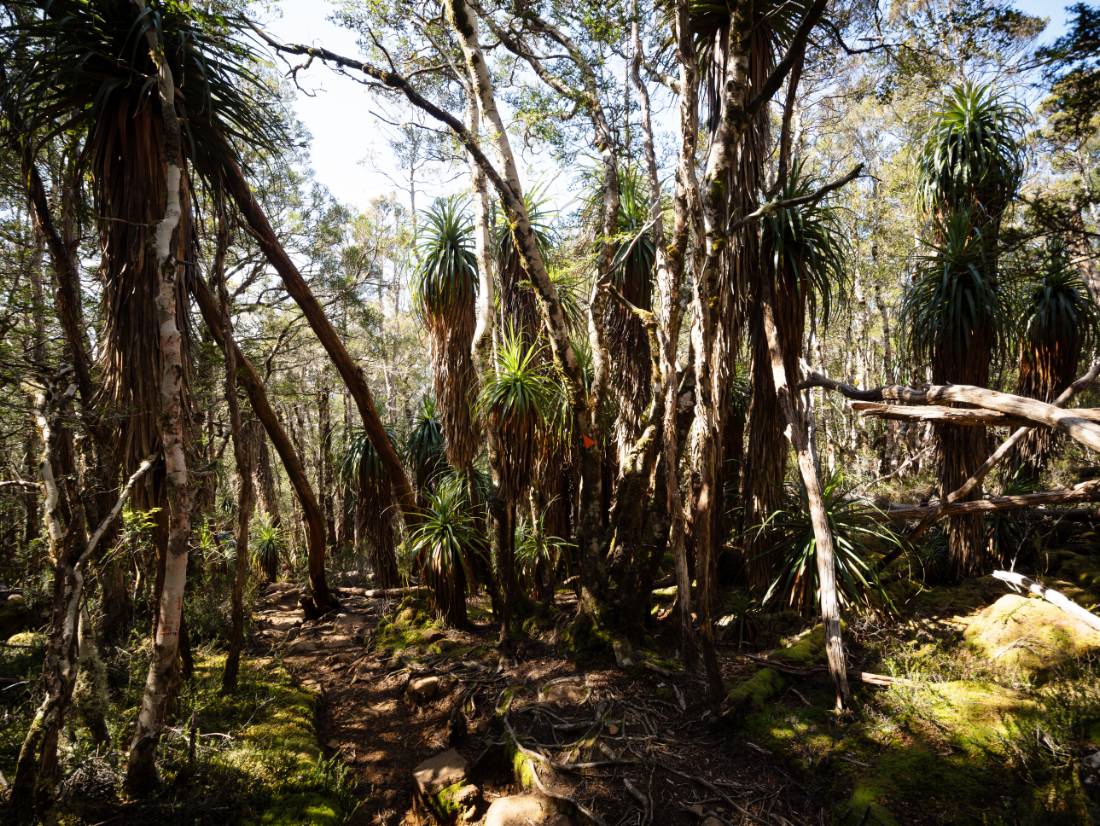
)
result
[(628, 746)]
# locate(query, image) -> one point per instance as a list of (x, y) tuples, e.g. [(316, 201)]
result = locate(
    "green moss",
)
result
[(411, 627), (444, 803), (807, 649), (1027, 638), (22, 653), (587, 640), (274, 761), (755, 691), (523, 769)]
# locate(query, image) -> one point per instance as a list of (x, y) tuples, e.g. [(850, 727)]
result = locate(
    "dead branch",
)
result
[(967, 487), (938, 413), (1084, 492), (20, 483), (1055, 598), (1081, 424)]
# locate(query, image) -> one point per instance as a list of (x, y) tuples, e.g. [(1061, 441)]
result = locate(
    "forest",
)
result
[(700, 425)]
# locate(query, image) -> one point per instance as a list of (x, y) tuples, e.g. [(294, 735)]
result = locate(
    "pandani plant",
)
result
[(444, 546), (969, 169), (445, 297), (859, 532), (362, 473), (1059, 322)]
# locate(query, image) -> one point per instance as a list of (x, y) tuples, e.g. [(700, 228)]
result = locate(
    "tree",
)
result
[(969, 170), (1060, 321), (445, 295)]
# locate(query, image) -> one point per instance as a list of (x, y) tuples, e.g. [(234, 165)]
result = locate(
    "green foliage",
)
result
[(972, 158), (445, 542), (518, 389), (954, 308), (268, 545), (424, 445), (536, 550), (1058, 311), (857, 532), (808, 243), (89, 56), (447, 276)]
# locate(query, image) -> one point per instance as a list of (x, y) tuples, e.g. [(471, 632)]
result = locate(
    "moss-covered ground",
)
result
[(997, 699), (256, 758)]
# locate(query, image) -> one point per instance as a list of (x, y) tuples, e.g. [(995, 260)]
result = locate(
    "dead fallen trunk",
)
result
[(1085, 492)]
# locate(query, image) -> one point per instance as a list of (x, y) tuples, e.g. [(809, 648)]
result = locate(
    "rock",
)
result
[(1027, 637), (16, 599), (349, 622), (301, 646), (436, 773), (424, 689), (711, 820), (524, 810)]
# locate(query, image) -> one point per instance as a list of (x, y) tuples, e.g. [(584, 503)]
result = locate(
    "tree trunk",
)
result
[(311, 510), (141, 771), (245, 461), (797, 428), (350, 372)]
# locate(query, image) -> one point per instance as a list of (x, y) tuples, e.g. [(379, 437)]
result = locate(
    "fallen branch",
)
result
[(1055, 598), (1084, 492), (815, 670), (967, 487), (968, 417), (1081, 424), (20, 483)]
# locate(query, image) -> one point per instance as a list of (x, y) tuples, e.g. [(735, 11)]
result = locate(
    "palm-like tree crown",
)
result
[(446, 281), (444, 294), (424, 446), (807, 244), (1059, 321), (954, 313), (972, 157), (517, 400)]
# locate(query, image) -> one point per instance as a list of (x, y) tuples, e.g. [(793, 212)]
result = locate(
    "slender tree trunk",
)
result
[(141, 771), (245, 461), (797, 432), (291, 459), (350, 372), (37, 769)]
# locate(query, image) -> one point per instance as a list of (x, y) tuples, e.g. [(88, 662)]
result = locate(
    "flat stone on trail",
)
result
[(424, 689), (302, 646), (435, 773), (349, 622), (524, 810)]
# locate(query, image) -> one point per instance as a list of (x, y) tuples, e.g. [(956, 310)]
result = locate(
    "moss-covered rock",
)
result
[(1026, 637), (23, 652)]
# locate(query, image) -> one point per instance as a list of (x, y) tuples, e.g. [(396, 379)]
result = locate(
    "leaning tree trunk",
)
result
[(350, 372), (245, 461), (295, 471), (824, 552), (141, 771)]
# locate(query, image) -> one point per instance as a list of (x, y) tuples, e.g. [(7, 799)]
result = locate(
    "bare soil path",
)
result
[(616, 746)]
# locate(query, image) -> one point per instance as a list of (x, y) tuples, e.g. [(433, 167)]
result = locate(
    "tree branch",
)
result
[(802, 200)]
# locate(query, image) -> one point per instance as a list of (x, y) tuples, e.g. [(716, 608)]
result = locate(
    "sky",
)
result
[(350, 153)]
